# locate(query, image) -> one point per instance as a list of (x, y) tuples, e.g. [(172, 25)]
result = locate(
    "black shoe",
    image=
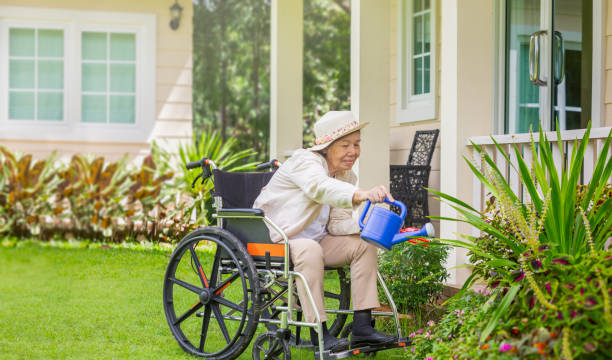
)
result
[(363, 334), (375, 338), (330, 342)]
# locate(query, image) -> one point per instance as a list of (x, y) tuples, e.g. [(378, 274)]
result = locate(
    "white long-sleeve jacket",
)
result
[(298, 190)]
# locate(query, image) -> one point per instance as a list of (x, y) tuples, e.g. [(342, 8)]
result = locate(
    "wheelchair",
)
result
[(222, 281)]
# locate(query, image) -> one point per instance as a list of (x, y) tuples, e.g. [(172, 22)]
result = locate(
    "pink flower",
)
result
[(548, 288), (413, 349), (429, 358), (412, 335), (561, 261), (505, 347), (455, 356), (420, 331)]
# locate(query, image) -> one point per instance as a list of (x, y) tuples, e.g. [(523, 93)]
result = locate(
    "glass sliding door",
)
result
[(531, 59)]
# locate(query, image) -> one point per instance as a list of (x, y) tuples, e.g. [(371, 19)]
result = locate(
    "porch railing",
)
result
[(561, 155)]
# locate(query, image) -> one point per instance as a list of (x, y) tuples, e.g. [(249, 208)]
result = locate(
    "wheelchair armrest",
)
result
[(239, 213)]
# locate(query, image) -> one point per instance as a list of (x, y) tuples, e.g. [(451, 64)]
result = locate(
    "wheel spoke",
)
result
[(188, 313), (205, 323), (332, 295), (226, 283), (215, 268), (199, 270), (229, 304), (187, 286), (220, 321)]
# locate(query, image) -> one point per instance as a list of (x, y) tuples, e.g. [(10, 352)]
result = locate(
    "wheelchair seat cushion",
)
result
[(239, 190)]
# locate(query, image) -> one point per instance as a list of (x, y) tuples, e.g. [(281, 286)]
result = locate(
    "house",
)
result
[(471, 68), (113, 76), (105, 77)]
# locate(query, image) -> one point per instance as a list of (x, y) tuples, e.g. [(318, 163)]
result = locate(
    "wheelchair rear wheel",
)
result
[(211, 294)]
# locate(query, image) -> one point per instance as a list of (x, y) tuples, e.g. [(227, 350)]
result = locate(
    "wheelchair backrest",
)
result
[(239, 191)]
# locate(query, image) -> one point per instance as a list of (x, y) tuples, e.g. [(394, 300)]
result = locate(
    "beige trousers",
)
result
[(310, 257)]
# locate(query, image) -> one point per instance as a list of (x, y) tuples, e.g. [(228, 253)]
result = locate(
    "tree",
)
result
[(231, 82)]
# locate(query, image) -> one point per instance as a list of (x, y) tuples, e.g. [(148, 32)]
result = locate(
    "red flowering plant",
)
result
[(545, 258)]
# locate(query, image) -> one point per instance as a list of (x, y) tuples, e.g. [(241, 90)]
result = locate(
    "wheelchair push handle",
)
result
[(272, 164), (206, 164)]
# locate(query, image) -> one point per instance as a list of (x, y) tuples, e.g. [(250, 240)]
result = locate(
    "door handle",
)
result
[(559, 57), (535, 68)]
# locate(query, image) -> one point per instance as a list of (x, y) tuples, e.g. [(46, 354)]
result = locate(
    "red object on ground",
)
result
[(418, 241)]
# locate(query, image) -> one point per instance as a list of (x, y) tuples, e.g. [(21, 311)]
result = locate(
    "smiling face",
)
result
[(342, 153)]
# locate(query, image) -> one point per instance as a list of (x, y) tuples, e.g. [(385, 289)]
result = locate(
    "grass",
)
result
[(89, 302)]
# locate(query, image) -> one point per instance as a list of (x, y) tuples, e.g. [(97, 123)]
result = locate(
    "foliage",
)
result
[(327, 65), (90, 194), (540, 254), (25, 192), (224, 154), (414, 274), (527, 331), (231, 67), (231, 75)]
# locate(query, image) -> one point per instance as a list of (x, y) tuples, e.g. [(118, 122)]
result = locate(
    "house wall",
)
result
[(173, 100), (402, 134)]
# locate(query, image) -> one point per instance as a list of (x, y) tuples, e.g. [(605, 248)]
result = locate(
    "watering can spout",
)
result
[(427, 230)]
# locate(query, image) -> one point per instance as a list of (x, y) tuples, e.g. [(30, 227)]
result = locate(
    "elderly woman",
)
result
[(312, 197)]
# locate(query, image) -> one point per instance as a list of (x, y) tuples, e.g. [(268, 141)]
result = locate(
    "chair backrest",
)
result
[(423, 146), (239, 190)]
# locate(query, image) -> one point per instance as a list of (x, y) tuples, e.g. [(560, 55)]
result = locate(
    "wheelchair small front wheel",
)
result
[(270, 345), (211, 294)]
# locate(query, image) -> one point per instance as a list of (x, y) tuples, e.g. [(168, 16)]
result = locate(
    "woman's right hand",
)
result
[(375, 195)]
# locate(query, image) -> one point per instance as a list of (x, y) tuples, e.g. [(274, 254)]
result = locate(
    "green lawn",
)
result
[(77, 303)]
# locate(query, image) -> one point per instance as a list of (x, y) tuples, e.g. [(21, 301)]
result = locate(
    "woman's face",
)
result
[(342, 153)]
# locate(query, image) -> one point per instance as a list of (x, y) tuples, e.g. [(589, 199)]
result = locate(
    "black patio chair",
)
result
[(408, 181)]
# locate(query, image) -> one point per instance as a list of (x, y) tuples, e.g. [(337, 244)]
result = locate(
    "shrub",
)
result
[(96, 199), (26, 188), (545, 259), (414, 274)]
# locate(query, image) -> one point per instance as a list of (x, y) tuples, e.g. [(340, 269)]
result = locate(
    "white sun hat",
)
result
[(332, 126)]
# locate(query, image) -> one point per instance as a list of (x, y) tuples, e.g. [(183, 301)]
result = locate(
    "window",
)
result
[(36, 74), (108, 80), (416, 57), (76, 75)]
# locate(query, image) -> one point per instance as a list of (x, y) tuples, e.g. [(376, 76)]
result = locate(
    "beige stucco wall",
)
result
[(173, 79), (402, 134)]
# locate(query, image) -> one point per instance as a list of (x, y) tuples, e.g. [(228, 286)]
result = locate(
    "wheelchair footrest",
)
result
[(402, 342)]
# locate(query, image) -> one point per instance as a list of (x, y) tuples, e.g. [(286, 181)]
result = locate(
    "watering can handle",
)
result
[(395, 203)]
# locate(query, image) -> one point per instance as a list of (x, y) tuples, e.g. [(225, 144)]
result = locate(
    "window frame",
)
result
[(410, 107), (74, 24)]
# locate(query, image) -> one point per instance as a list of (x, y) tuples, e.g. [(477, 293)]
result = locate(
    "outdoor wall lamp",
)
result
[(176, 11)]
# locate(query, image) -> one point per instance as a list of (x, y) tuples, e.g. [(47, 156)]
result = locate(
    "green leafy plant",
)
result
[(414, 275), (26, 189), (93, 195), (527, 242), (225, 156)]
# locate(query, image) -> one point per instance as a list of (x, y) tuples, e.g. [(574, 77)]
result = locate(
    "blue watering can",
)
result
[(383, 225)]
